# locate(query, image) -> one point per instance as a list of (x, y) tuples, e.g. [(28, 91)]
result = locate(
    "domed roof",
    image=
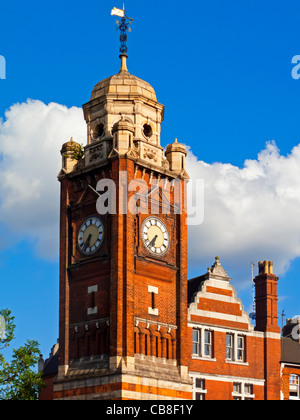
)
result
[(176, 147), (123, 83), (69, 144)]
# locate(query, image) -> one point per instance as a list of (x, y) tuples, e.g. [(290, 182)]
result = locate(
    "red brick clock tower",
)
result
[(123, 253)]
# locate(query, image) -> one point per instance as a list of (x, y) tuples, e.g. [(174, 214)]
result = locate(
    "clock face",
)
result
[(90, 235), (155, 236)]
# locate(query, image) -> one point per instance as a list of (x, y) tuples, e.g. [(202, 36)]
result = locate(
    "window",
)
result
[(153, 310), (99, 131), (153, 300), (202, 343), (229, 346), (242, 391), (237, 387), (199, 389), (235, 347), (240, 348), (294, 387), (147, 130), (196, 342), (207, 344), (248, 391)]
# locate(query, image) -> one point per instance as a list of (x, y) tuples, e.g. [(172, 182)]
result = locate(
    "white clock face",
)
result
[(90, 235), (155, 236)]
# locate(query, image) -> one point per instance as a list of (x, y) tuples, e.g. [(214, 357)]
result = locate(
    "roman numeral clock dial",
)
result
[(90, 235), (155, 236)]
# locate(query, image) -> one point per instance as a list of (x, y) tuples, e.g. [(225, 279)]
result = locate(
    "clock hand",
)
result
[(87, 242), (152, 243)]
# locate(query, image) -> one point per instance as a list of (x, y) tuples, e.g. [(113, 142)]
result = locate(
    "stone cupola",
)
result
[(124, 119), (124, 102), (175, 154)]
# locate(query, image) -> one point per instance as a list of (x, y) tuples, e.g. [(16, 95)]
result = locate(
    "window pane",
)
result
[(240, 355), (195, 348), (196, 342), (293, 394), (207, 350), (229, 346), (248, 389), (207, 338), (294, 386), (237, 387), (195, 336), (294, 380), (207, 343), (229, 353), (199, 383), (229, 340), (240, 348), (240, 342)]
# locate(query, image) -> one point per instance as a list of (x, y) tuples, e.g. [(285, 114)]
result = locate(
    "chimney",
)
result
[(267, 322), (266, 298), (265, 267)]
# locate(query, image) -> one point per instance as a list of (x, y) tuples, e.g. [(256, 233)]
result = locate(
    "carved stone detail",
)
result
[(96, 153), (150, 154)]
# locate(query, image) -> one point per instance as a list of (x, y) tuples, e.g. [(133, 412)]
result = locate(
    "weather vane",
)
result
[(123, 27)]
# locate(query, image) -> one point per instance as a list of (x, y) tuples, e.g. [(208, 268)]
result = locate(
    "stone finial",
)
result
[(123, 132), (123, 58), (67, 152), (175, 154), (217, 271)]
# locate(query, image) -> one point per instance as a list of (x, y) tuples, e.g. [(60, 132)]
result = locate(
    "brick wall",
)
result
[(215, 308)]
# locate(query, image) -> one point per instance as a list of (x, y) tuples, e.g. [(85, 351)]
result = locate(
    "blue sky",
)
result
[(223, 72)]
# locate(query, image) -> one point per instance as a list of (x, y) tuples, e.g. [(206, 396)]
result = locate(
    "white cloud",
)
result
[(250, 213), (30, 141)]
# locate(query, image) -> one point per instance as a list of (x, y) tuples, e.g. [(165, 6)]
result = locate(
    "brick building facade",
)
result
[(290, 360), (229, 357), (131, 325)]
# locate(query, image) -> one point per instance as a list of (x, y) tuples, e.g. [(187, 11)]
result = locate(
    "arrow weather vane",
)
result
[(123, 27)]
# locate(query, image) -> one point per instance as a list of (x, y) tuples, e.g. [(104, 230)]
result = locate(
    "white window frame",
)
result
[(230, 347), (295, 387), (201, 391), (204, 346), (196, 343), (241, 394), (240, 350), (235, 349)]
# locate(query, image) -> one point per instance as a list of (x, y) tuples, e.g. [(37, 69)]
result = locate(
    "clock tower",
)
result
[(123, 252)]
